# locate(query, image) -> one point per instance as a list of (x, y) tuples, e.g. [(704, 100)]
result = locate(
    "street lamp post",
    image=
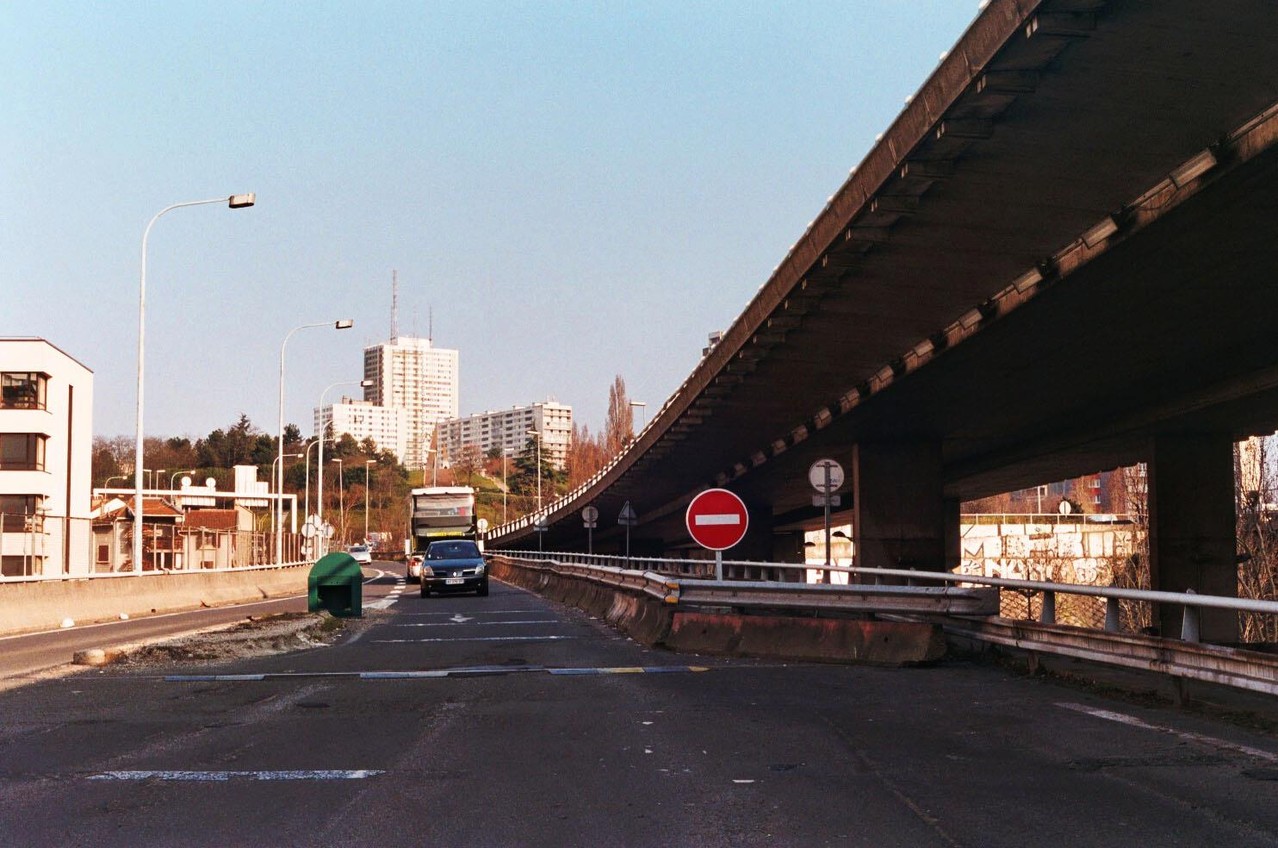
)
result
[(341, 500), (174, 475), (536, 434), (235, 201), (319, 507), (279, 501), (505, 489), (367, 463), (343, 324), (306, 503)]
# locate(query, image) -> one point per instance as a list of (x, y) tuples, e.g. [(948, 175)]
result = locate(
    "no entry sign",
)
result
[(717, 519)]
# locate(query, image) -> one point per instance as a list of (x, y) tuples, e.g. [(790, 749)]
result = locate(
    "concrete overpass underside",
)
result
[(1059, 259)]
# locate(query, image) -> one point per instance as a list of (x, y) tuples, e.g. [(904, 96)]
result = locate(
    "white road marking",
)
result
[(1210, 741), (222, 776), (460, 619), (477, 639), (451, 623), (732, 519)]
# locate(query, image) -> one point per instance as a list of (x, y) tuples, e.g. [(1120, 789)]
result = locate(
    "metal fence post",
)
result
[(1048, 614), (1111, 615), (1189, 621)]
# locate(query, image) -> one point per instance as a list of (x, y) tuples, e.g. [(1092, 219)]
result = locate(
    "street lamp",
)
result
[(343, 324), (505, 489), (642, 405), (319, 509), (367, 463), (174, 475), (235, 201), (537, 435)]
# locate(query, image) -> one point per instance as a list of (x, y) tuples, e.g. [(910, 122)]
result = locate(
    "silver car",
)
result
[(361, 553)]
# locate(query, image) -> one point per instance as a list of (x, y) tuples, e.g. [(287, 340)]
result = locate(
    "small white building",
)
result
[(46, 455)]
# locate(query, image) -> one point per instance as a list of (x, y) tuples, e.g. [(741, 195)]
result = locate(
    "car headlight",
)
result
[(479, 569), (427, 571)]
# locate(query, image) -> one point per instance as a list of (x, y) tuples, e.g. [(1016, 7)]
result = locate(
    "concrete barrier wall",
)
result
[(44, 605), (651, 622)]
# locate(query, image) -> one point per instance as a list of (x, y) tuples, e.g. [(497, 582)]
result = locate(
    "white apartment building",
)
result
[(413, 375), (363, 419), (46, 454), (507, 430)]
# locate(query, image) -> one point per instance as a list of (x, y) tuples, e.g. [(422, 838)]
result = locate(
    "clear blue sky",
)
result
[(577, 190)]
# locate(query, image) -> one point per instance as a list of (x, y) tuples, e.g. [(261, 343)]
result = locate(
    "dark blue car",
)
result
[(455, 565)]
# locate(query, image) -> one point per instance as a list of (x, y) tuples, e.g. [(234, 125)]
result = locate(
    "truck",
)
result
[(434, 513)]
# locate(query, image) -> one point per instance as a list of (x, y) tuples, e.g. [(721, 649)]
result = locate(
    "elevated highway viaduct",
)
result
[(1059, 259)]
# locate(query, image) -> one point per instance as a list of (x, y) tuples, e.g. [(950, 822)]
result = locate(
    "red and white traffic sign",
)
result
[(717, 519)]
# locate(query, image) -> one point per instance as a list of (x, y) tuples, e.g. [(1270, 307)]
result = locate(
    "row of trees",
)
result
[(365, 476), (242, 443)]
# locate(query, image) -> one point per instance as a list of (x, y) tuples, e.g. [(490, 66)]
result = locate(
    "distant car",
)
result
[(413, 568), (360, 553), (455, 565)]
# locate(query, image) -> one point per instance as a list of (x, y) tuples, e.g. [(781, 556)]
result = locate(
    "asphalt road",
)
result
[(512, 721)]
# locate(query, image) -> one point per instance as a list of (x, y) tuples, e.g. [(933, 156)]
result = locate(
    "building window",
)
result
[(23, 390), (22, 451)]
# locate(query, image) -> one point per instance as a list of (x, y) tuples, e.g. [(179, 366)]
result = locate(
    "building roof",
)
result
[(211, 519)]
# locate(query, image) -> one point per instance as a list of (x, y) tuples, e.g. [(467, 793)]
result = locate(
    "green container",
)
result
[(336, 584)]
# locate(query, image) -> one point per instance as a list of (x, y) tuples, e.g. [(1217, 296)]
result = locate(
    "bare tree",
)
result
[(619, 427)]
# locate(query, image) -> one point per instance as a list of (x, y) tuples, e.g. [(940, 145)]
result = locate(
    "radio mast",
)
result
[(394, 306)]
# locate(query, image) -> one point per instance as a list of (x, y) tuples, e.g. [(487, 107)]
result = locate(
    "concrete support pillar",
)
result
[(788, 547), (900, 518), (757, 544), (1192, 529), (952, 509)]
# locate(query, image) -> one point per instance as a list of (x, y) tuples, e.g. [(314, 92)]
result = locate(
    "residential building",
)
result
[(413, 375), (362, 419), (508, 430), (46, 453)]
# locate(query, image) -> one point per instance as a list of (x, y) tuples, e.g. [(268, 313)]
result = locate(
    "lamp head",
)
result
[(242, 201), (344, 324)]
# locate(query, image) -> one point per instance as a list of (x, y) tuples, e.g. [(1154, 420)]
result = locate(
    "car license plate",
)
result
[(454, 581)]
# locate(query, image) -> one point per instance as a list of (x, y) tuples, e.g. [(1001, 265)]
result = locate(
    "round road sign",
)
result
[(825, 475), (590, 514), (717, 519)]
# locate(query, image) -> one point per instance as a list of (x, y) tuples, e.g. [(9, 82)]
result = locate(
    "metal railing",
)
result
[(961, 618), (1190, 603)]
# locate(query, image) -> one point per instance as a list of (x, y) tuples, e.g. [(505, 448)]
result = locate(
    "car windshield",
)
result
[(452, 550), (359, 548)]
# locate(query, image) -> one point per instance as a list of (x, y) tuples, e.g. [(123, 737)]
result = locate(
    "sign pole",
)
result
[(718, 565), (590, 541), (825, 575)]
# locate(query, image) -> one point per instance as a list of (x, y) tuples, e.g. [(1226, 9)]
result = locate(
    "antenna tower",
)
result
[(394, 306)]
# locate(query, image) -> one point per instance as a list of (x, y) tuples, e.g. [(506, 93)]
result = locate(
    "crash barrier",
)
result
[(47, 604), (793, 621), (1116, 644), (335, 585)]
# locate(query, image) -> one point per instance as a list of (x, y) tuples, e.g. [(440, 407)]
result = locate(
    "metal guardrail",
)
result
[(960, 609), (766, 594), (1189, 602)]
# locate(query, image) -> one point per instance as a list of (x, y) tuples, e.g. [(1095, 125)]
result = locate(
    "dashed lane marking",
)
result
[(223, 776), (477, 623), (475, 639), (433, 674)]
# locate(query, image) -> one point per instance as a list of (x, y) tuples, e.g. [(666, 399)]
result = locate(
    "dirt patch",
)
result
[(254, 637)]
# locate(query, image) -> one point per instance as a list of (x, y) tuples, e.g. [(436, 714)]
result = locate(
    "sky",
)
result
[(568, 191)]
